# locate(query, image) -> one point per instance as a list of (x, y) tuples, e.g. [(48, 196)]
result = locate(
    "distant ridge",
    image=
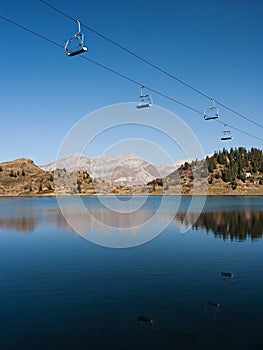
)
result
[(237, 171), (124, 170)]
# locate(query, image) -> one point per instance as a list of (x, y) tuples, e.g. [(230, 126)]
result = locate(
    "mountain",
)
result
[(237, 171), (72, 175), (122, 171), (23, 176)]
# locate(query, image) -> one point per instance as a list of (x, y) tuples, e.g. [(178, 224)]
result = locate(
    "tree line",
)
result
[(235, 164)]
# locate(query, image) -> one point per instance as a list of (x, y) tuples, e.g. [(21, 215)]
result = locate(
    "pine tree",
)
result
[(79, 186), (234, 184)]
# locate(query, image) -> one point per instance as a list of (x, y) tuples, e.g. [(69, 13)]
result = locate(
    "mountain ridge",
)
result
[(123, 170), (238, 171)]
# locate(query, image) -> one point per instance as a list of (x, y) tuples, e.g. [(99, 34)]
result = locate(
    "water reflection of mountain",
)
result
[(236, 225), (81, 221), (20, 224)]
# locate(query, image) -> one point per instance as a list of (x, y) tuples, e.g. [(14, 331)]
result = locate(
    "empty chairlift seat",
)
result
[(145, 101), (226, 134), (211, 112), (75, 44)]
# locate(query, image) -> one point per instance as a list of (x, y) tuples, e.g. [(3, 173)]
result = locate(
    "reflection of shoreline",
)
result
[(84, 222), (21, 224), (236, 225)]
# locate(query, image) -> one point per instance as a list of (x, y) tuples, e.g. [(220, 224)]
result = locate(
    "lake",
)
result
[(65, 290)]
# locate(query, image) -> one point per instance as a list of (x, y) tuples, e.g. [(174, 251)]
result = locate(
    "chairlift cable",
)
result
[(239, 114), (60, 11), (153, 65), (103, 66), (122, 75), (31, 31), (126, 49)]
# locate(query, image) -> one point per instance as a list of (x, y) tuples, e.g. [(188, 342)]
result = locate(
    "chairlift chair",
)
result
[(211, 112), (145, 101), (226, 134), (79, 40)]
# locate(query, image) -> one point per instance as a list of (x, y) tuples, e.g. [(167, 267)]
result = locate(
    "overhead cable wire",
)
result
[(31, 31), (124, 48), (140, 84), (103, 66), (152, 64), (120, 74)]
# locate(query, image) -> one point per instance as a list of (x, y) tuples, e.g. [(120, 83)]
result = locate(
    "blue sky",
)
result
[(214, 45)]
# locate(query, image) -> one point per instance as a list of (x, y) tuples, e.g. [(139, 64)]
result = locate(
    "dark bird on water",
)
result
[(227, 274), (144, 319)]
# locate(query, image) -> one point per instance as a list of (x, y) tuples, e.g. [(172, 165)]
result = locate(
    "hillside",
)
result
[(238, 171), (22, 176)]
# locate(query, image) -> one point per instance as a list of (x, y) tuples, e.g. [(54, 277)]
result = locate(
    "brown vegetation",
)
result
[(236, 172)]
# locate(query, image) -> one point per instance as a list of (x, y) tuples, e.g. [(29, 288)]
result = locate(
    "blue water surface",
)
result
[(60, 291)]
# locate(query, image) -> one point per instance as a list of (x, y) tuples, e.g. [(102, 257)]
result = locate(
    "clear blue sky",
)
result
[(216, 46)]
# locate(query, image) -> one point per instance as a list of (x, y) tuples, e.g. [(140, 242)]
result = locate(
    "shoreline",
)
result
[(130, 195)]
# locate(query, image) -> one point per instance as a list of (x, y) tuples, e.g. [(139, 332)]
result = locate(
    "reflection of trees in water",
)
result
[(20, 224), (236, 225)]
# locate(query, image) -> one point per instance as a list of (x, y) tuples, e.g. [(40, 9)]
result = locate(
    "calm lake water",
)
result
[(60, 291)]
